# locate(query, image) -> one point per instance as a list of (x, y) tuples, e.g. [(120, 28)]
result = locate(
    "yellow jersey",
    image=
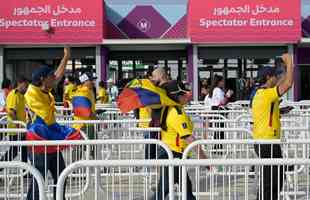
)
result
[(69, 91), (266, 114), (178, 127), (15, 102), (102, 94), (41, 104)]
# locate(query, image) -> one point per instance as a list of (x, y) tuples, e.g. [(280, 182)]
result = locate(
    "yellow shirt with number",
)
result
[(15, 102), (266, 114), (179, 126)]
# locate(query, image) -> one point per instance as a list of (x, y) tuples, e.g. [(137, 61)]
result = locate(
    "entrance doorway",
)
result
[(23, 61), (127, 65), (237, 65)]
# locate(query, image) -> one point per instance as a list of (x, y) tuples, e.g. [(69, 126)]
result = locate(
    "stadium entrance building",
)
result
[(120, 40), (145, 34), (234, 39)]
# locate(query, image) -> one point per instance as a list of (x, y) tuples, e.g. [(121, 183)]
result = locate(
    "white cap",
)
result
[(86, 77)]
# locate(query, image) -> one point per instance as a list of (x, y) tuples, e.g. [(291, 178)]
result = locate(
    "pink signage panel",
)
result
[(51, 21), (244, 21)]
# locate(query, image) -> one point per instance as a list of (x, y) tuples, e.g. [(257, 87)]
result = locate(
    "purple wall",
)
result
[(190, 64), (303, 56), (146, 19), (104, 52), (305, 17), (296, 76)]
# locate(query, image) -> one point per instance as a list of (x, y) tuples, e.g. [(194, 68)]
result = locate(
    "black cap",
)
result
[(175, 89), (42, 72), (265, 71)]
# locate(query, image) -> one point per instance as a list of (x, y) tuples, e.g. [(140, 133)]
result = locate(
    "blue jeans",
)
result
[(54, 162)]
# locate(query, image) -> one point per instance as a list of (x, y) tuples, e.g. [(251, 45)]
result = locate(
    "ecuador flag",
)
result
[(39, 130), (142, 93), (83, 102), (43, 126)]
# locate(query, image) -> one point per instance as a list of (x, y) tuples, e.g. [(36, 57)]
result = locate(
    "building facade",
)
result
[(120, 39)]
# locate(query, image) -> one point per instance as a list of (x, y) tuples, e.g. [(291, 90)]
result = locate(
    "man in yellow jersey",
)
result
[(15, 106), (69, 90), (84, 103), (159, 78), (177, 130), (102, 96), (42, 126), (267, 126)]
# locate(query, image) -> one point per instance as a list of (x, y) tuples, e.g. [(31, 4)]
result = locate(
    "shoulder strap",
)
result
[(163, 124), (178, 109)]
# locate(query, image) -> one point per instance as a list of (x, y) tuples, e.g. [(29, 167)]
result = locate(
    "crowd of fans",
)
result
[(32, 102)]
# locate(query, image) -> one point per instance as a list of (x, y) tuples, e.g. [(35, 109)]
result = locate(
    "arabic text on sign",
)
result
[(246, 9), (46, 10)]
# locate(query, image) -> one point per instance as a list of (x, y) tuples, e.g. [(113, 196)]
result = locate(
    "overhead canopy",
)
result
[(241, 52), (48, 53), (148, 55)]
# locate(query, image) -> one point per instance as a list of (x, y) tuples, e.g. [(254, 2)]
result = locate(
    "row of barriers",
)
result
[(115, 163), (126, 174)]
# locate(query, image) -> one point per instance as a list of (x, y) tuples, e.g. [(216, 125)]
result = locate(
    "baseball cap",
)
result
[(87, 77), (41, 72), (175, 89), (265, 71)]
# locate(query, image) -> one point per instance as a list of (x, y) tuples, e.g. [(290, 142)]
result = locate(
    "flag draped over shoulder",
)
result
[(83, 102), (41, 108), (142, 93), (39, 130)]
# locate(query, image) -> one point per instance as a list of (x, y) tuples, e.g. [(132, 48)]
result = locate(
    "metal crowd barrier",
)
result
[(232, 186), (221, 176), (125, 187), (11, 190), (108, 129), (79, 183), (13, 148), (228, 185)]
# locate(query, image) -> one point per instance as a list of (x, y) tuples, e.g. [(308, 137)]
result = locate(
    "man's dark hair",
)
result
[(6, 83), (22, 79), (71, 79), (19, 80), (148, 74), (262, 81), (102, 84)]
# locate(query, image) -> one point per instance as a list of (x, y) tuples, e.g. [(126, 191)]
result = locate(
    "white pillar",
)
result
[(195, 73), (1, 64), (98, 63)]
